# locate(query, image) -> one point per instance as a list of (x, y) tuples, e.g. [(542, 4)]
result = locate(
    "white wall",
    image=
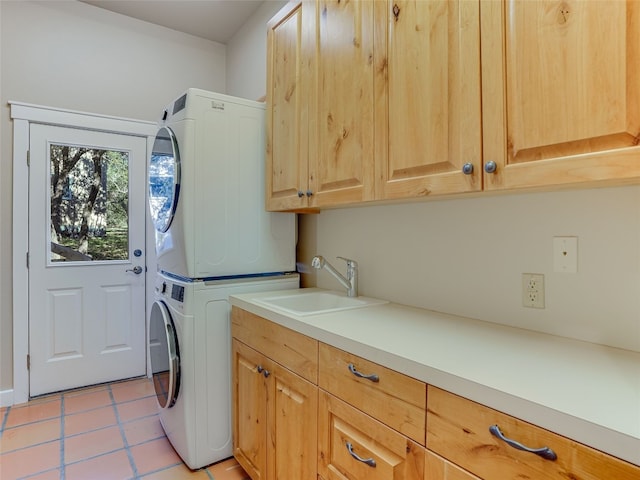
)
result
[(465, 256), (71, 55), (247, 54)]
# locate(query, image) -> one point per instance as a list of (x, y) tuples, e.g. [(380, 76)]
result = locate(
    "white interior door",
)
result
[(86, 257)]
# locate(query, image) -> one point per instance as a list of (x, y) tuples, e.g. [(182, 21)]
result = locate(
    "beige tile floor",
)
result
[(108, 432)]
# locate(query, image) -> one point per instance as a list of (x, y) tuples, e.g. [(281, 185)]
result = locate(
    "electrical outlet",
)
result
[(533, 290)]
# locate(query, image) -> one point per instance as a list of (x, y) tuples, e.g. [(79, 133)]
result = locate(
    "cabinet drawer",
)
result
[(298, 352), (458, 429), (395, 399), (345, 433)]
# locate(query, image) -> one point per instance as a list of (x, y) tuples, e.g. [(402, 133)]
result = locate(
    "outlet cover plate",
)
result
[(533, 290), (565, 254)]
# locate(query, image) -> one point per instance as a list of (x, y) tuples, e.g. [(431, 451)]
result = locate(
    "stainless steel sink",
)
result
[(315, 303)]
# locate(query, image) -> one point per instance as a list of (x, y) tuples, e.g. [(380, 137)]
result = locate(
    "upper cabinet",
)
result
[(560, 97), (389, 99), (428, 136), (320, 105), (341, 102), (286, 117)]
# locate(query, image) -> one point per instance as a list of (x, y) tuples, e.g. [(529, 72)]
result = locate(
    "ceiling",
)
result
[(216, 20)]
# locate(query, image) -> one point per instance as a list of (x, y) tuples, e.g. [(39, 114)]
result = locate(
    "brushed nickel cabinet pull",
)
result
[(544, 452), (373, 377), (369, 461)]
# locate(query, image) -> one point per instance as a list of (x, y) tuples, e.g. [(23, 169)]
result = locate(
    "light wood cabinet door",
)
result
[(249, 397), (341, 102), (438, 468), (292, 426), (560, 95), (286, 114), (428, 113), (275, 426), (355, 446)]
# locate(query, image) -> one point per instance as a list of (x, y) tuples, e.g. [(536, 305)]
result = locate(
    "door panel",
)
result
[(560, 102), (428, 122), (341, 126), (86, 238), (64, 323), (250, 417), (286, 132)]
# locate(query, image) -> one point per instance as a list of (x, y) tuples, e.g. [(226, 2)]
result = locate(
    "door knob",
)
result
[(137, 270)]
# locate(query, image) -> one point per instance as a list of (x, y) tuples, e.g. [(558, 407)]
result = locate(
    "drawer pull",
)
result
[(544, 452), (369, 461), (373, 377)]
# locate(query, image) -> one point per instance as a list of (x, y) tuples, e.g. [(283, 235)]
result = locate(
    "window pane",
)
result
[(89, 199)]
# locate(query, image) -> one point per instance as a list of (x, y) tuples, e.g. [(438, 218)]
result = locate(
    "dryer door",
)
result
[(164, 179), (165, 355)]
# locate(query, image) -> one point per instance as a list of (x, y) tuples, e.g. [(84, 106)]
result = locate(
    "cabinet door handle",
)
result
[(373, 377), (544, 452), (369, 461)]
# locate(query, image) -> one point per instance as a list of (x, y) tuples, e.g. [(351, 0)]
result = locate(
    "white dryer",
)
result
[(190, 348), (207, 191)]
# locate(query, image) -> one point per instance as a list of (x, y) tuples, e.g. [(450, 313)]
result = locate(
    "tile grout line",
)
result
[(64, 406), (62, 463), (127, 449), (4, 420)]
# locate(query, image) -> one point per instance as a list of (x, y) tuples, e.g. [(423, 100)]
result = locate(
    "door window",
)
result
[(89, 204)]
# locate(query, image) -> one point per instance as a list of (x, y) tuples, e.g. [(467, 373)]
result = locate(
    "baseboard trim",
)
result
[(6, 398)]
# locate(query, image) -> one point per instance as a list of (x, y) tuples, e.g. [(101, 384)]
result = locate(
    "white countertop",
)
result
[(584, 391)]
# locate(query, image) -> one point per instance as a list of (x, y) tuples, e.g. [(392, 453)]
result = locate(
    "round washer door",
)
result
[(165, 356), (164, 179)]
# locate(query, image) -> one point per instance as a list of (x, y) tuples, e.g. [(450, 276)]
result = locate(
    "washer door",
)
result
[(164, 179), (165, 355)]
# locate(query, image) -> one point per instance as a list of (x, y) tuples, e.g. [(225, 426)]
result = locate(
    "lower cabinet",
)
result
[(353, 446), (275, 422), (438, 468), (469, 435), (306, 411)]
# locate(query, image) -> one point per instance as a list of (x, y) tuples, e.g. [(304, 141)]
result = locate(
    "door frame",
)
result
[(23, 115)]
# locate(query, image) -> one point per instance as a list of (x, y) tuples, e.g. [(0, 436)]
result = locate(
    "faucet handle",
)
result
[(350, 263)]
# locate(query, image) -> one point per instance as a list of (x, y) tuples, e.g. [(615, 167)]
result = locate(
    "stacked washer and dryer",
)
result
[(213, 239)]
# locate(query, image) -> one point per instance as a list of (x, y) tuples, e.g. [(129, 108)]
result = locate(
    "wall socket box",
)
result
[(533, 290)]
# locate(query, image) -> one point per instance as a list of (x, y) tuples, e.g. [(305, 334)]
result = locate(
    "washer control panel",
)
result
[(177, 293)]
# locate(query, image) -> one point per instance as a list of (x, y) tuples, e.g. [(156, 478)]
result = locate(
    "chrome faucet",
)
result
[(350, 283)]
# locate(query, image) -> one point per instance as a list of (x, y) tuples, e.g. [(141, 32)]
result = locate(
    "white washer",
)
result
[(190, 347), (207, 191)]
